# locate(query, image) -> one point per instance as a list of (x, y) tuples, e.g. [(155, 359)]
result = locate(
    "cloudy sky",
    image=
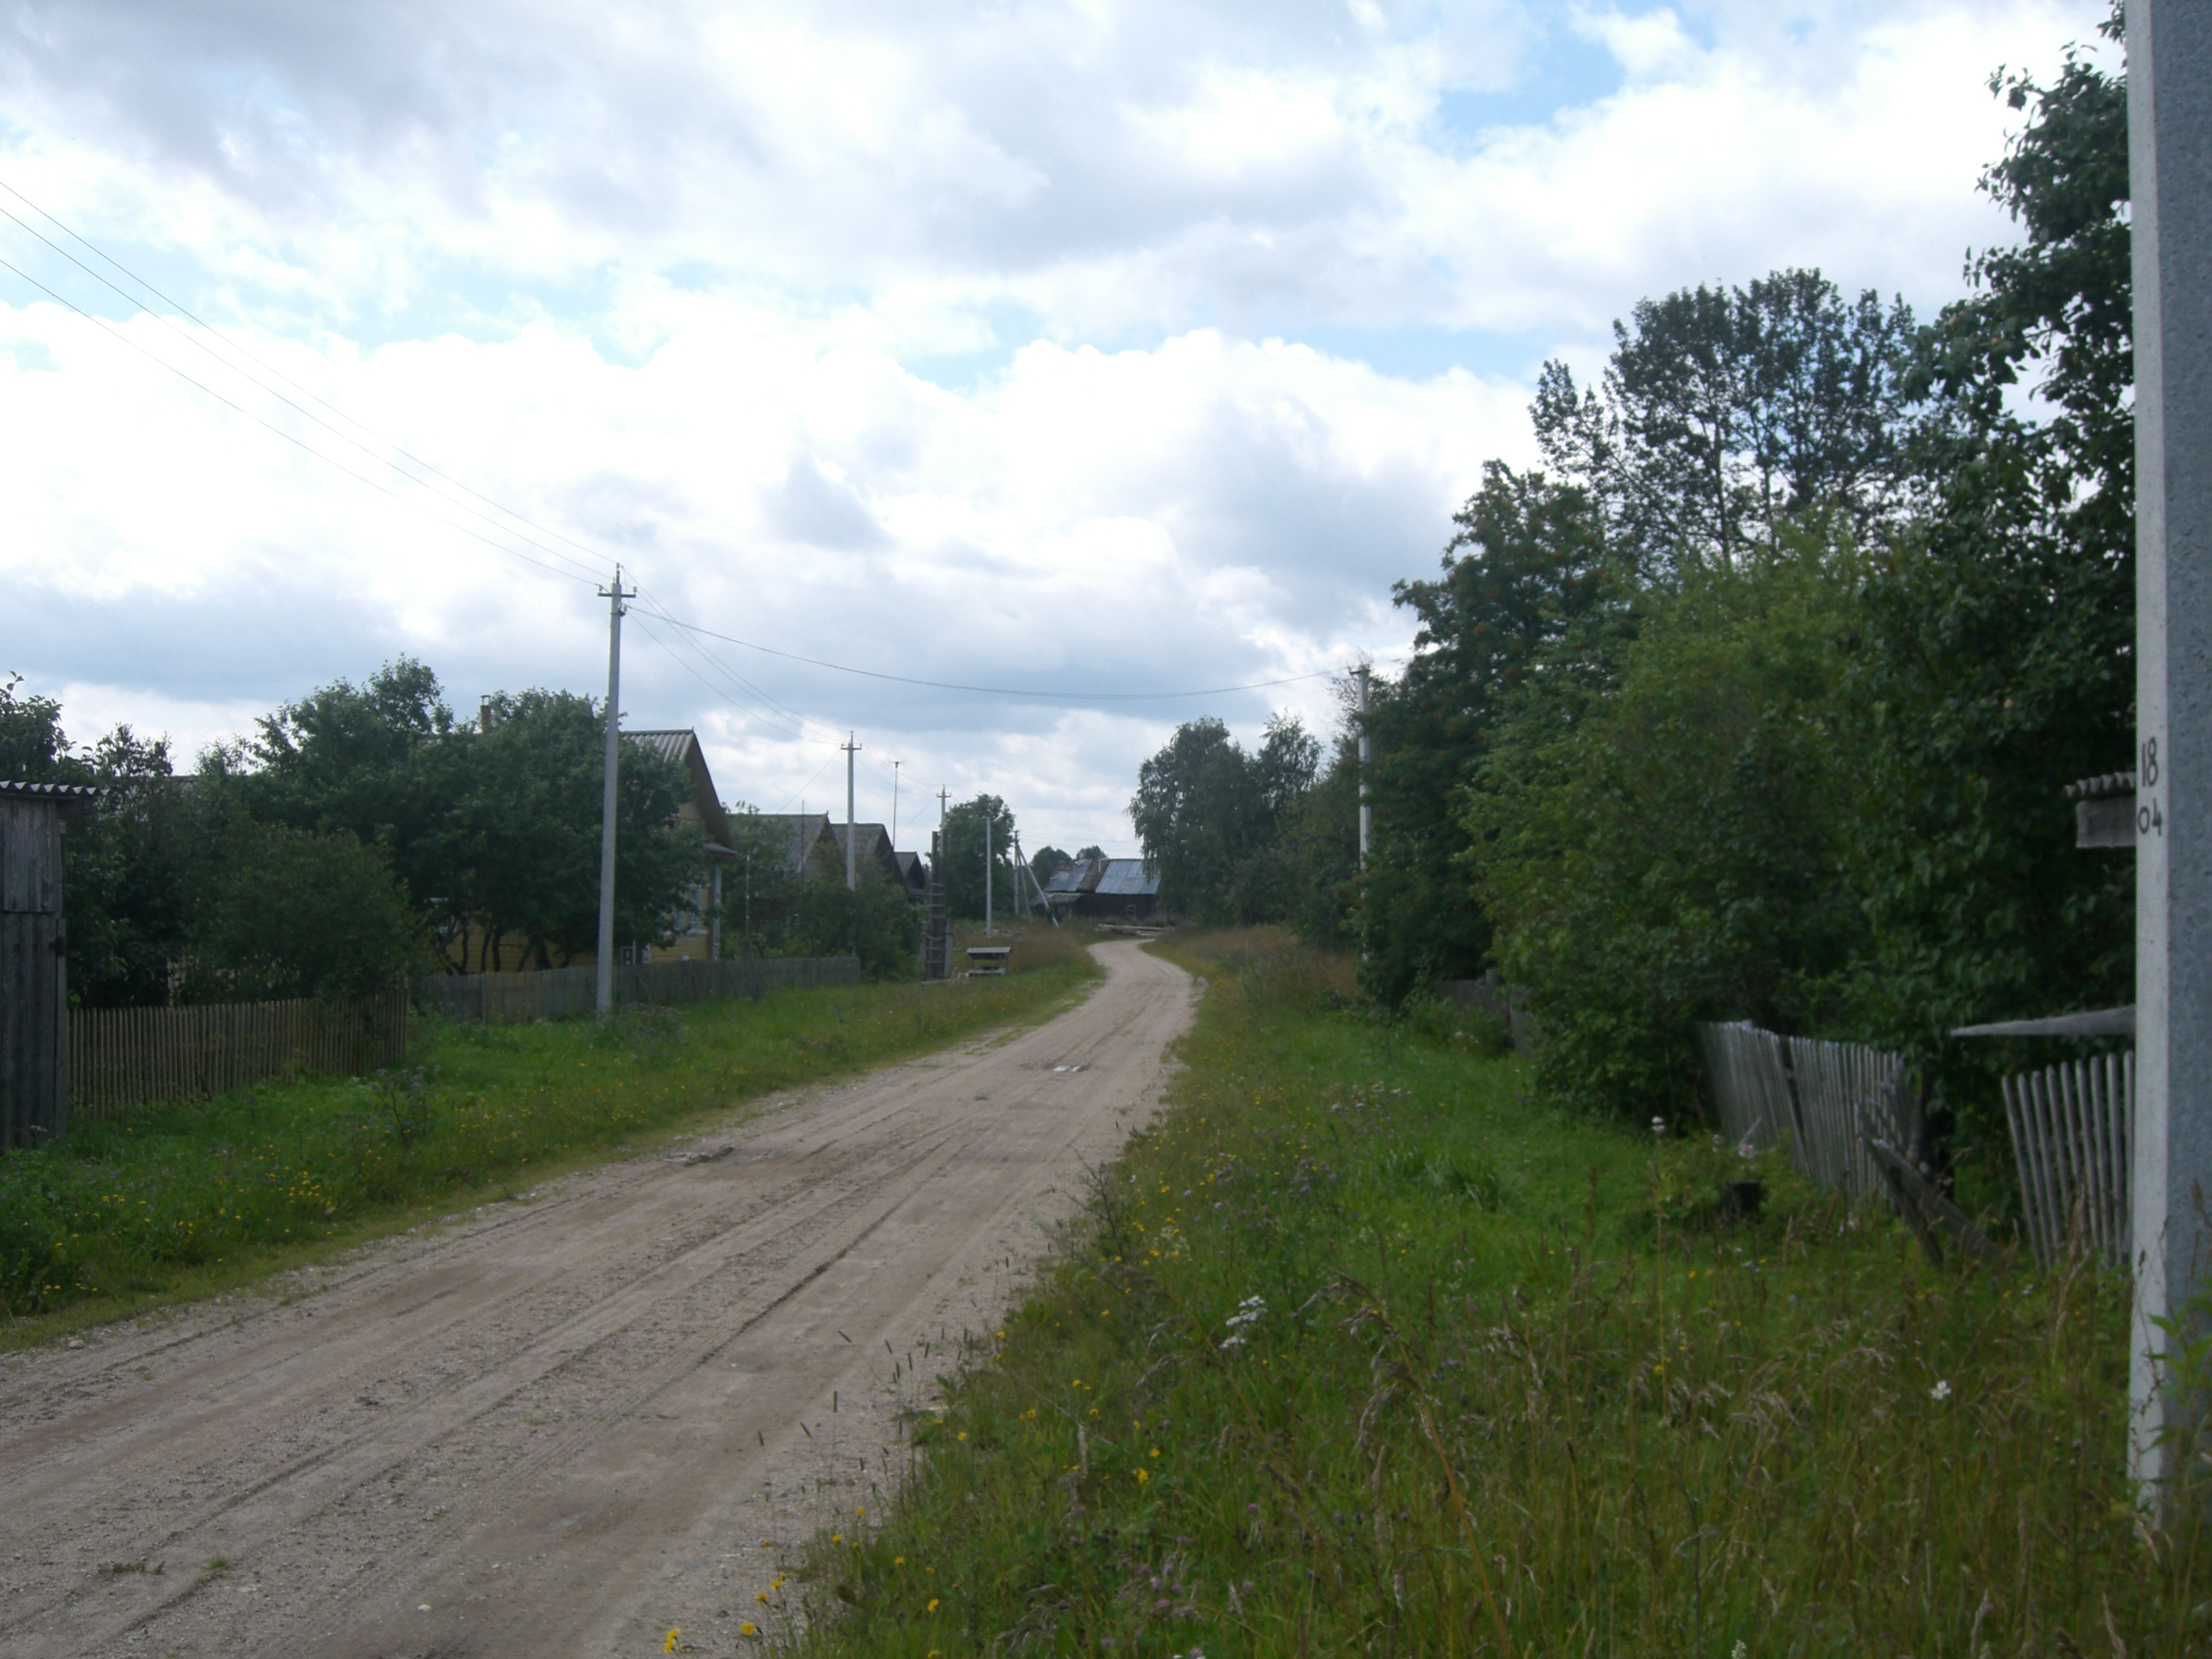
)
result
[(1094, 350)]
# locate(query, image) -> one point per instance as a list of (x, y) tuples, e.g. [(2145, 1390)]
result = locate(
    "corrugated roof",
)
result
[(2103, 788), (669, 745), (51, 791)]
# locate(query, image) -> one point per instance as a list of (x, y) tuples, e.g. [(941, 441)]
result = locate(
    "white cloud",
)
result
[(670, 282)]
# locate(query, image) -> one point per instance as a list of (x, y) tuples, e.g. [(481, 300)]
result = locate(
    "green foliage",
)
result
[(965, 826), (1356, 1352), (1727, 411), (1208, 816), (32, 746), (1677, 853), (285, 913), (1524, 579), (874, 921), (172, 1202), (1047, 862), (2000, 632)]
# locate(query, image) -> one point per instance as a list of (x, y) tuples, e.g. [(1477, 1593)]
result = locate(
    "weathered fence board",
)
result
[(511, 999), (1824, 1100), (120, 1058), (2072, 1135)]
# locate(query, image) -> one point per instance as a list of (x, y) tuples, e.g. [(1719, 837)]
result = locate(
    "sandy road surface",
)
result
[(563, 1426)]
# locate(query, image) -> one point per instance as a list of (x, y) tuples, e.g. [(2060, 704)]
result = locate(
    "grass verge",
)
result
[(1357, 1351), (173, 1203)]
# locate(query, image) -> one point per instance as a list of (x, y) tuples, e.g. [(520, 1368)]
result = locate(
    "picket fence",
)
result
[(511, 999), (2073, 1127), (122, 1057), (2074, 1136), (1823, 1100)]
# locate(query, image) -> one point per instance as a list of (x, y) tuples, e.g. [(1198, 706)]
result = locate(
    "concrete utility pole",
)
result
[(2170, 190), (851, 749), (1366, 809), (895, 770), (602, 990), (989, 829)]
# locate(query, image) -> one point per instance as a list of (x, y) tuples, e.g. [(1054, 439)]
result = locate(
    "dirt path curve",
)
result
[(562, 1427)]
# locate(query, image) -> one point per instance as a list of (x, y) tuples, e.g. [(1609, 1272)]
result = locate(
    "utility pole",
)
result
[(851, 749), (1366, 808), (602, 990), (989, 829), (895, 770), (2170, 196)]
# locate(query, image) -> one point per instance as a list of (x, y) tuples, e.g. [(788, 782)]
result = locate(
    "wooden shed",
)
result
[(33, 963)]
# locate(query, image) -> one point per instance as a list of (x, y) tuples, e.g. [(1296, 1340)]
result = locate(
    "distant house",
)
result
[(914, 872), (813, 844), (1103, 887), (694, 936)]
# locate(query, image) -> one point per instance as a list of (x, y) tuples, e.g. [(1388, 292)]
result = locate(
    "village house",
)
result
[(1120, 888)]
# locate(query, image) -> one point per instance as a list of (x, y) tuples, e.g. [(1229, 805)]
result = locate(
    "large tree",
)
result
[(1724, 411), (1206, 813)]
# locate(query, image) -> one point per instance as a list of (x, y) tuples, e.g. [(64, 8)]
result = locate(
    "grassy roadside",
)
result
[(172, 1204), (1358, 1353)]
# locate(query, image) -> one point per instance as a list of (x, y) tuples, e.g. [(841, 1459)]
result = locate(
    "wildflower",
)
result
[(1143, 1475), (1659, 1126), (933, 1604), (1941, 1391), (862, 1510), (836, 1537), (898, 1560), (761, 1597), (747, 1629), (669, 1645), (1746, 1152), (964, 1434), (1741, 1649)]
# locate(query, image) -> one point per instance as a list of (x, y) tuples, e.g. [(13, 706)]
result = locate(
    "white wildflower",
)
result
[(1941, 1391)]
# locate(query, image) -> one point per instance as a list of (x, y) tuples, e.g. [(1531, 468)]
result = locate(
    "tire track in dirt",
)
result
[(563, 1427)]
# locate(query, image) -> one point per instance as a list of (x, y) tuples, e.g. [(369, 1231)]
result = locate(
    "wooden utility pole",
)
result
[(2169, 44)]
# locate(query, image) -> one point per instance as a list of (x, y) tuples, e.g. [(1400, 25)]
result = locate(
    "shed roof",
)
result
[(67, 792), (2103, 787), (1126, 878)]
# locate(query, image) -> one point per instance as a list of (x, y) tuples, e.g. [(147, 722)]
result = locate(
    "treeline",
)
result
[(1758, 697), (335, 849)]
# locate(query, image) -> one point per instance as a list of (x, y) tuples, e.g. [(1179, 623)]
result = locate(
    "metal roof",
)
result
[(1126, 878)]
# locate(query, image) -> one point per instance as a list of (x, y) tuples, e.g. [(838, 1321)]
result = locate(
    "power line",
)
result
[(307, 392), (579, 572), (995, 690)]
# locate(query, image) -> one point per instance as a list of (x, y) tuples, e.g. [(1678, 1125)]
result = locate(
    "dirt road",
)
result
[(566, 1425)]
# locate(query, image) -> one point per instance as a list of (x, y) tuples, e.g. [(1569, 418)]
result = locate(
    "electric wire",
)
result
[(581, 572), (308, 414), (1032, 695)]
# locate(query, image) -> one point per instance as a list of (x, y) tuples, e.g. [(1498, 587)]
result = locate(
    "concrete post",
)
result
[(1366, 809), (2170, 166), (852, 879), (603, 983)]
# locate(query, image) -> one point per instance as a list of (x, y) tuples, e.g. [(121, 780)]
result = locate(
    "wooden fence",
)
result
[(1824, 1100), (2073, 1136), (120, 1058), (511, 999)]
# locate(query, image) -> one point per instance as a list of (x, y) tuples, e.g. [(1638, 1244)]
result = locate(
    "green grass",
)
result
[(169, 1204), (1359, 1352)]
